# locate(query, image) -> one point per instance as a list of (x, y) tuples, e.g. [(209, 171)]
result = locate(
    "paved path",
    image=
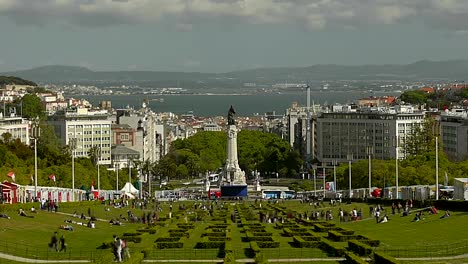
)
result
[(27, 260)]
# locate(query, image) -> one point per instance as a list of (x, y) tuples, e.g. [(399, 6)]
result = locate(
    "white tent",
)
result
[(129, 188)]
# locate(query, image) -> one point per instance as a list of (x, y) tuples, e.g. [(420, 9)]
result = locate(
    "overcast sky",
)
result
[(225, 35)]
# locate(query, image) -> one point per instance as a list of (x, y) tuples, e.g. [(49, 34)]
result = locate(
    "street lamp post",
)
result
[(369, 152), (36, 132), (396, 167), (350, 158), (437, 166), (334, 176), (98, 171), (314, 168), (72, 144), (117, 182), (324, 178)]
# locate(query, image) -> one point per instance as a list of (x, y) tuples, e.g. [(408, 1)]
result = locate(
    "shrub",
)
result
[(331, 249), (163, 245), (209, 244), (268, 244), (351, 258), (131, 234), (229, 258), (134, 239), (167, 239), (384, 259), (254, 247), (260, 258), (301, 243), (359, 248)]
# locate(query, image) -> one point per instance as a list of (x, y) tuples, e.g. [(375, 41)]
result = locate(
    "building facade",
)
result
[(356, 134), (88, 128), (16, 126), (454, 133)]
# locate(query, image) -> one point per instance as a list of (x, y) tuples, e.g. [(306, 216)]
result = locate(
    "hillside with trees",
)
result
[(5, 80)]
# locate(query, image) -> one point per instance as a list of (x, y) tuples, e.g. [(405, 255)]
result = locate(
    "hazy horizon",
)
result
[(214, 36)]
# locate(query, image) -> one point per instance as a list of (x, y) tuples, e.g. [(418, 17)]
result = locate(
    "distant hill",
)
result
[(4, 80), (451, 70)]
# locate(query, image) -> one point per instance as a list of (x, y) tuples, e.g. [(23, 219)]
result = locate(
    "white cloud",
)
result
[(313, 14)]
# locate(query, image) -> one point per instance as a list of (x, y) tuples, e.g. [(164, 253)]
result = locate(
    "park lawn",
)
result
[(401, 232), (29, 237)]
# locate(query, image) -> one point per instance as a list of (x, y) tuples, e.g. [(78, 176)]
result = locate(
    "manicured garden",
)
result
[(230, 230)]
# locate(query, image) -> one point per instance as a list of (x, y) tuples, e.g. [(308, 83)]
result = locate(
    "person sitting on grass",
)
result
[(4, 216), (33, 210), (384, 219), (66, 227), (417, 217), (22, 213), (446, 215)]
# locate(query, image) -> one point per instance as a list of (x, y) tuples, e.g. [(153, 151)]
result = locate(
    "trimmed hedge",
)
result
[(301, 243), (384, 259), (331, 249), (351, 258), (163, 245), (210, 244), (254, 247), (359, 248), (370, 242), (323, 228), (167, 239), (268, 244), (336, 236)]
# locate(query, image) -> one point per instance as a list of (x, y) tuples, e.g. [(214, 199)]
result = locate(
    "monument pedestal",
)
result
[(233, 174)]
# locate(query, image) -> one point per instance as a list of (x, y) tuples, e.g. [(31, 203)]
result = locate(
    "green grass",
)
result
[(28, 237)]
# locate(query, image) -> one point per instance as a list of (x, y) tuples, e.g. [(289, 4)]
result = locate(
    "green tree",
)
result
[(32, 107)]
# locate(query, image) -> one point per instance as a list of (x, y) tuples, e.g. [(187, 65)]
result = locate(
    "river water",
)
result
[(215, 105)]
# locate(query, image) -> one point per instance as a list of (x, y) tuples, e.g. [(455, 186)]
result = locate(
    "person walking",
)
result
[(63, 244), (53, 242), (118, 248)]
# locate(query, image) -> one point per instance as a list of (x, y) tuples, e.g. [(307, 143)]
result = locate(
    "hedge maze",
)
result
[(228, 231)]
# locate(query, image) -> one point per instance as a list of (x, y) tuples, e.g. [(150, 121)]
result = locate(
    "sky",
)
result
[(227, 35)]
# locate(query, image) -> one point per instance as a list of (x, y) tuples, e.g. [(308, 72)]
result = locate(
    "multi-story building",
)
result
[(88, 128), (454, 132), (381, 132), (149, 138), (16, 126)]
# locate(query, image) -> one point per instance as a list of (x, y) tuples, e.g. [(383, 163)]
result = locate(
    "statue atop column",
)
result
[(233, 174), (231, 114)]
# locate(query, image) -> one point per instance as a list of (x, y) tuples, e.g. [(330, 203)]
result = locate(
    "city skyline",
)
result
[(223, 35)]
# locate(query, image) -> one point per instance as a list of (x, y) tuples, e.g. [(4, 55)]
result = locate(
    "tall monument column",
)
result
[(233, 174)]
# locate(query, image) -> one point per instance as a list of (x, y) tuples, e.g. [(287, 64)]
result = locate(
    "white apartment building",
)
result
[(361, 131), (149, 137), (89, 128), (454, 133), (17, 126)]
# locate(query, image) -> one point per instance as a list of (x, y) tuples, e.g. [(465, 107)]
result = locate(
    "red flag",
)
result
[(52, 177), (11, 174)]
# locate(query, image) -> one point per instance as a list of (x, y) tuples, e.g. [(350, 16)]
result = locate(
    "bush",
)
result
[(301, 243), (134, 239), (167, 239), (163, 245), (268, 244), (229, 258), (359, 248), (351, 258), (260, 258), (384, 259), (209, 244), (334, 235), (331, 249), (254, 247)]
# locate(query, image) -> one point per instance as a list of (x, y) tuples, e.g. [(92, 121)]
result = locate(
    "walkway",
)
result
[(27, 260)]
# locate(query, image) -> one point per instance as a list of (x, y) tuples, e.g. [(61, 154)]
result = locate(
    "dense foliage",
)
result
[(206, 151), (52, 158), (4, 80)]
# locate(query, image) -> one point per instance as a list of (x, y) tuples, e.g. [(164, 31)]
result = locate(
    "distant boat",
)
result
[(161, 100)]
